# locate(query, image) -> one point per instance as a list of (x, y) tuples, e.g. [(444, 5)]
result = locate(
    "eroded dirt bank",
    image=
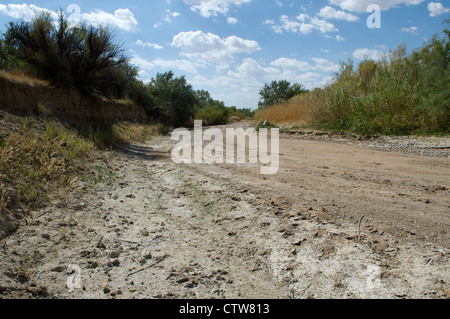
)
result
[(337, 221)]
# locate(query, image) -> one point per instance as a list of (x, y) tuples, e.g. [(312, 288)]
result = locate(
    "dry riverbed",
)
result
[(342, 219)]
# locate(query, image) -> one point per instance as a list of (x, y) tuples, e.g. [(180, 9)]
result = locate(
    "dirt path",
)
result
[(337, 221)]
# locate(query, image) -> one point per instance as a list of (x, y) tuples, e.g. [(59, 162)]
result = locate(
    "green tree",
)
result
[(240, 112), (175, 99), (143, 95), (279, 91), (366, 72), (3, 54), (210, 111), (83, 57), (204, 99)]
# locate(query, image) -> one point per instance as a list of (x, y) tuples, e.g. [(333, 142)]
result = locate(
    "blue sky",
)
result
[(233, 47)]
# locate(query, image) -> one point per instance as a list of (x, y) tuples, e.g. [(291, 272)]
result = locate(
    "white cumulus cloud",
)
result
[(292, 64), (207, 8), (436, 9), (250, 68), (303, 66), (145, 65), (24, 11), (365, 53), (122, 18), (325, 65), (148, 45), (331, 13), (182, 65), (303, 24), (208, 48), (412, 29)]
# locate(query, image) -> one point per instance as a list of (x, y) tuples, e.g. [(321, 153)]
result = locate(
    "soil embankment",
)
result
[(24, 95)]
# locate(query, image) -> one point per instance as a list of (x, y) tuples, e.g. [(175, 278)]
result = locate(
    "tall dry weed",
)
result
[(297, 111)]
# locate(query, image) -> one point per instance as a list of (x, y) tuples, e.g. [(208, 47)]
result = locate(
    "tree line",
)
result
[(87, 58), (402, 93)]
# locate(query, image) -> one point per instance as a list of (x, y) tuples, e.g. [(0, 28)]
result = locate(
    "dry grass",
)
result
[(5, 213), (41, 158), (297, 111), (3, 202), (123, 133), (23, 78), (131, 132)]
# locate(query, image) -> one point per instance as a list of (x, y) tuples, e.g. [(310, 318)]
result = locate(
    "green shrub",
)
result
[(212, 115), (401, 94), (434, 62), (175, 99), (83, 57), (143, 95), (279, 91)]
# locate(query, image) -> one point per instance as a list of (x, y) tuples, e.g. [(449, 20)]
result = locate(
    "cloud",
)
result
[(292, 64), (200, 42), (286, 24), (331, 13), (169, 15), (145, 65), (303, 66), (303, 24), (182, 65), (232, 20), (239, 91), (325, 65), (361, 5), (24, 11), (148, 45), (436, 9), (167, 18), (324, 82), (293, 70), (122, 18), (364, 53), (307, 79), (241, 84), (207, 8), (412, 29), (323, 25), (250, 68), (208, 48), (141, 63)]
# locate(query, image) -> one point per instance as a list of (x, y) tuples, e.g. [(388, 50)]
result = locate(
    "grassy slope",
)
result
[(42, 159)]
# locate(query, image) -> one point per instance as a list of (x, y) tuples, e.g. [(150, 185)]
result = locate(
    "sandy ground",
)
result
[(343, 218)]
